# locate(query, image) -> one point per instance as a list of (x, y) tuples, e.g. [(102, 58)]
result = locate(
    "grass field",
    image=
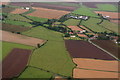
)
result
[(37, 19), (72, 22), (105, 7), (53, 55), (7, 47), (83, 10), (92, 24), (19, 23), (35, 73), (18, 17), (111, 26)]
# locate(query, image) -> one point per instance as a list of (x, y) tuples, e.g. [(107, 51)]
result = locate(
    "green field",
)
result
[(19, 23), (37, 19), (53, 55), (35, 73), (92, 24), (83, 10), (105, 7), (18, 17), (72, 22), (111, 26), (7, 47)]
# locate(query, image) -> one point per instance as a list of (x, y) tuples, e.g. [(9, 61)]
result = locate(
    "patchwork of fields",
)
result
[(30, 50)]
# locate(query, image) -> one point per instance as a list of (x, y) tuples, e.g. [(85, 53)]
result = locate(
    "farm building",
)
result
[(26, 8)]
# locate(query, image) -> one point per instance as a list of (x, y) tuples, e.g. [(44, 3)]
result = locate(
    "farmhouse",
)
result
[(79, 17), (26, 8)]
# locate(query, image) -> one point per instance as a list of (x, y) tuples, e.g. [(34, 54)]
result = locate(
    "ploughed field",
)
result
[(15, 62), (44, 5), (83, 49), (14, 28), (17, 38), (47, 13), (19, 11), (108, 45)]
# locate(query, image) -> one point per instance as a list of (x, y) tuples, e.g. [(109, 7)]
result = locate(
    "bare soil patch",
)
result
[(76, 28), (14, 28), (84, 49), (111, 14), (82, 73), (15, 62), (17, 38), (103, 65), (19, 11), (48, 13)]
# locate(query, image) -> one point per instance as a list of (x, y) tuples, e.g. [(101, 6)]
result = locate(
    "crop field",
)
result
[(14, 28), (111, 26), (92, 24), (37, 19), (43, 13), (83, 10), (103, 65), (21, 39), (111, 14), (19, 23), (15, 63), (106, 7), (108, 45), (84, 49), (7, 47), (55, 59), (115, 21), (56, 7), (35, 73), (90, 74), (18, 18), (72, 22), (76, 28), (7, 9), (19, 11)]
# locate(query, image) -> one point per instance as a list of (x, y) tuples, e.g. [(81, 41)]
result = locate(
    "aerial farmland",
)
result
[(60, 40)]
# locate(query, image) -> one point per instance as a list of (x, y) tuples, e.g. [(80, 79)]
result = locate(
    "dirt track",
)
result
[(17, 38), (15, 62), (83, 49), (48, 13)]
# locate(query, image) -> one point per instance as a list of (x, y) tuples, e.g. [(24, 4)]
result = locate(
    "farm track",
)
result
[(15, 62)]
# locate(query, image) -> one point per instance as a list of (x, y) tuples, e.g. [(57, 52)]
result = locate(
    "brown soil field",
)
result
[(15, 62), (19, 11), (76, 28), (14, 28), (93, 4), (7, 9), (48, 13), (52, 6), (115, 21), (103, 65), (108, 45), (83, 73), (111, 14), (82, 35), (21, 39), (44, 5), (84, 49)]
